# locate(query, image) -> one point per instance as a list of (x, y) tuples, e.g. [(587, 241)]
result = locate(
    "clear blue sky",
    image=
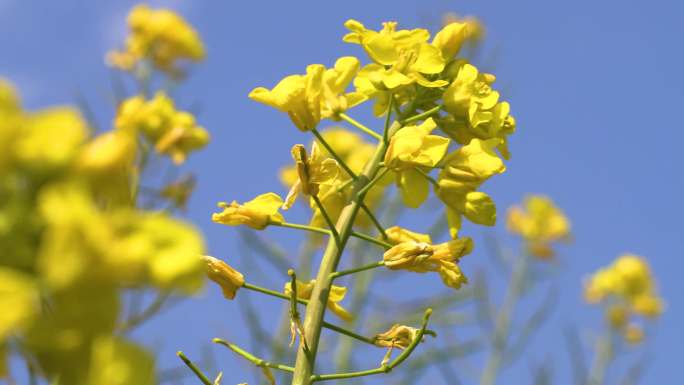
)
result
[(596, 87)]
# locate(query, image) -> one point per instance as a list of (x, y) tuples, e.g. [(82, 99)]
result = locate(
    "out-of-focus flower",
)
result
[(229, 279), (540, 223), (160, 36), (312, 172), (398, 336), (422, 257), (336, 295), (411, 148), (628, 286), (174, 133), (257, 213)]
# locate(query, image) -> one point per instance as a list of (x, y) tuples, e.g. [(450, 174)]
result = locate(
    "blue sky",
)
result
[(595, 86)]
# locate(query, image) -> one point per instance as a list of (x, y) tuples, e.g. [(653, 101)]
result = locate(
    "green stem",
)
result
[(603, 357), (421, 116), (388, 117), (332, 153), (342, 273), (345, 185), (194, 368), (373, 181), (384, 368), (298, 226), (272, 293), (375, 221), (315, 311), (503, 321), (252, 358), (372, 240), (328, 221), (358, 125), (349, 333)]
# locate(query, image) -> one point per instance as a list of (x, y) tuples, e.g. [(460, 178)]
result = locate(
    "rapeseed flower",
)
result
[(312, 172), (540, 223), (229, 279), (257, 213)]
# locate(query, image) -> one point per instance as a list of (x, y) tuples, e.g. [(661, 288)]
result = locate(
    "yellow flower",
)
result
[(540, 223), (629, 287), (50, 138), (474, 108), (311, 171), (300, 96), (20, 298), (336, 295), (398, 336), (396, 235), (224, 275), (464, 171), (401, 57), (456, 32), (410, 148), (172, 132), (335, 82), (257, 213), (161, 36), (108, 153), (422, 257)]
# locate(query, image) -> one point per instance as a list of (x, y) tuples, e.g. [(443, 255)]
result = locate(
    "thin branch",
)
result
[(327, 218), (332, 153), (358, 125), (421, 116), (202, 377), (252, 358), (370, 239), (342, 273)]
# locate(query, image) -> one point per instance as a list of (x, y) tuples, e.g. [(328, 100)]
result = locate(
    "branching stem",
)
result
[(358, 125)]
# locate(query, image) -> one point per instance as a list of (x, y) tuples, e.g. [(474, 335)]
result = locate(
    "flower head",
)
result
[(174, 133), (396, 235), (629, 287), (224, 275), (540, 223), (398, 336), (161, 36), (336, 295), (257, 213), (474, 108), (312, 171)]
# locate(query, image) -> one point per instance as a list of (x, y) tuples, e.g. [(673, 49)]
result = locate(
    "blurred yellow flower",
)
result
[(540, 223), (312, 171), (629, 288), (173, 133), (411, 148), (398, 336), (336, 295), (257, 213), (160, 36), (20, 298), (229, 279)]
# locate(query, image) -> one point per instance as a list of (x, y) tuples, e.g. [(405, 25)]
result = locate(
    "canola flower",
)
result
[(257, 213), (337, 294), (172, 132), (540, 223), (161, 37), (312, 171), (229, 279), (628, 288)]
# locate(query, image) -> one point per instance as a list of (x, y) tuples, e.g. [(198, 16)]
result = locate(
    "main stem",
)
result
[(315, 310)]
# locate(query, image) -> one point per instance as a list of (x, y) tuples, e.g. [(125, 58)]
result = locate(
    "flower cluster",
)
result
[(540, 223), (159, 36), (627, 288), (172, 132)]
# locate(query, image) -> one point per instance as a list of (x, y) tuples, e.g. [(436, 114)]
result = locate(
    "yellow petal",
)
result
[(480, 208), (414, 187)]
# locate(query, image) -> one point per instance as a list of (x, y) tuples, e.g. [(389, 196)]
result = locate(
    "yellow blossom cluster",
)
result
[(72, 235), (159, 36), (627, 287), (540, 223), (172, 132)]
